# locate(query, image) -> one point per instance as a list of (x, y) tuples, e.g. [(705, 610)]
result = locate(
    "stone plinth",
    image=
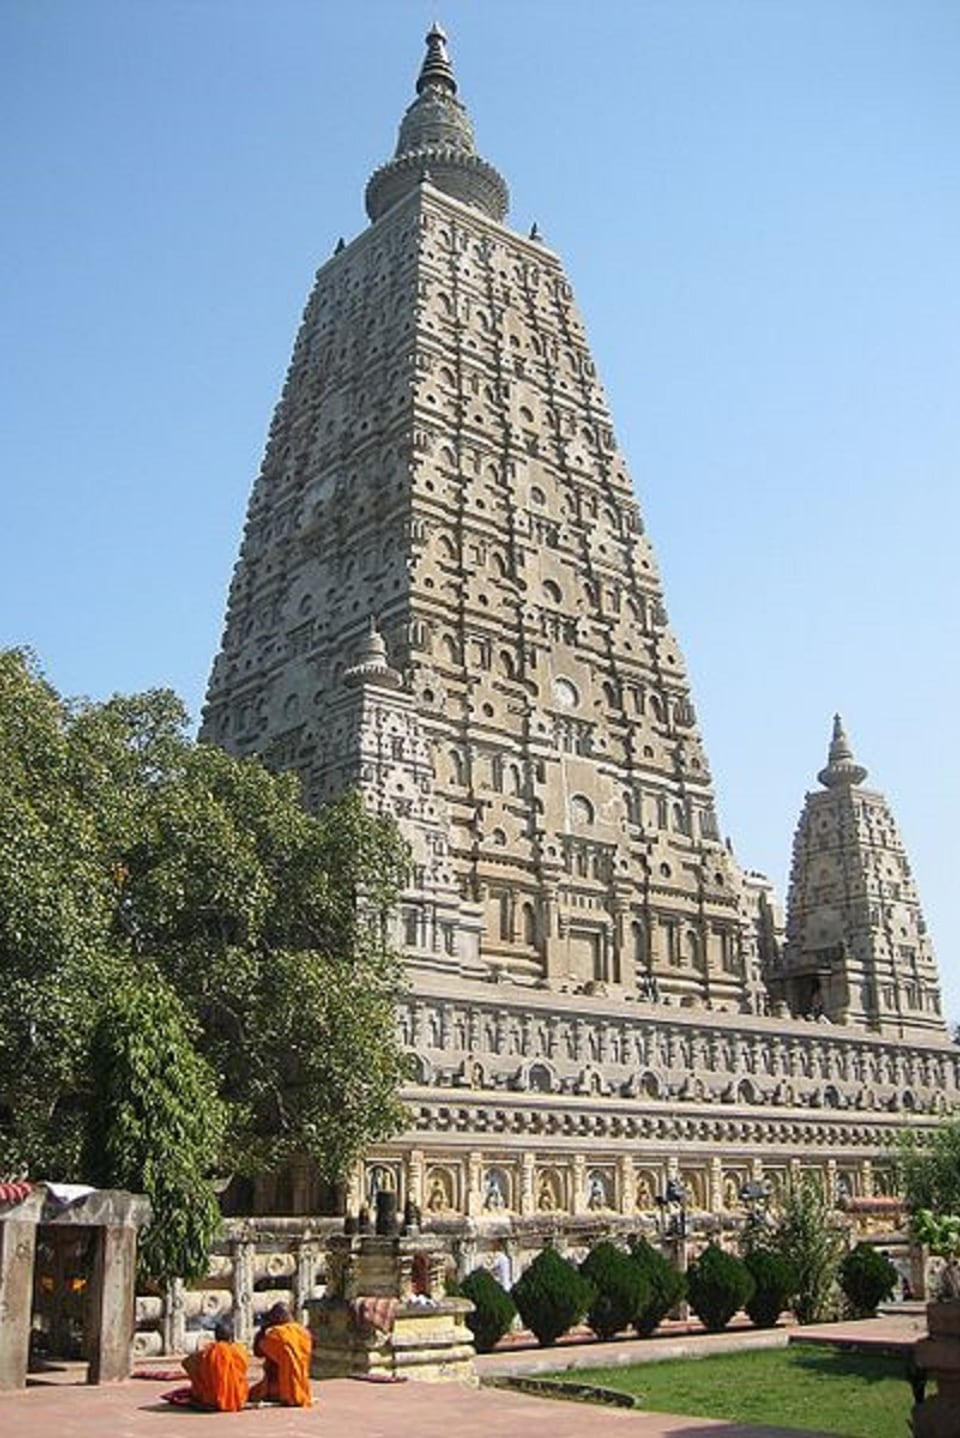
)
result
[(385, 1312), (938, 1356)]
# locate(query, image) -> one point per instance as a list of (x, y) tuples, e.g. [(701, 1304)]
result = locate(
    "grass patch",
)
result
[(855, 1395)]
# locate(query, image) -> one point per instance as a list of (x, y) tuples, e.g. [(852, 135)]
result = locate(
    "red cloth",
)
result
[(376, 1313), (14, 1192)]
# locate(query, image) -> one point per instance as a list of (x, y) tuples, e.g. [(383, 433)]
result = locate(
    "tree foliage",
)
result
[(929, 1167), (868, 1278), (156, 1120), (809, 1237), (134, 860)]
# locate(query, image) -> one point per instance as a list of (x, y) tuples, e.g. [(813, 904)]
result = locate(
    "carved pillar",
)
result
[(866, 1178), (578, 1181), (474, 1195), (110, 1303), (626, 1185), (305, 1281), (174, 1317), (18, 1241), (415, 1172), (528, 1202), (715, 1185), (243, 1279)]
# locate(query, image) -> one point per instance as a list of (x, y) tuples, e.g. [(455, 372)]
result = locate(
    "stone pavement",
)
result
[(57, 1408)]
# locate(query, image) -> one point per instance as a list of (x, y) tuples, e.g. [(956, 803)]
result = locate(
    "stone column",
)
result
[(308, 1254), (528, 1198), (18, 1242), (627, 1185), (715, 1185), (111, 1302), (414, 1183), (578, 1179), (243, 1281), (474, 1184), (174, 1316)]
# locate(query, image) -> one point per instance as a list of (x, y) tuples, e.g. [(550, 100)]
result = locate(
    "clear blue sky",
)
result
[(758, 203)]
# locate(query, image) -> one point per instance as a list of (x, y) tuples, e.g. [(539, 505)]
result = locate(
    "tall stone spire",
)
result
[(856, 950), (436, 144)]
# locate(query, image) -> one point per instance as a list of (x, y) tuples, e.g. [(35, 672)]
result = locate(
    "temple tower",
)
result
[(446, 598), (857, 949), (442, 463)]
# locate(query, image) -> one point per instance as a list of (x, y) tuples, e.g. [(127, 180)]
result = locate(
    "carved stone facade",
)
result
[(446, 597)]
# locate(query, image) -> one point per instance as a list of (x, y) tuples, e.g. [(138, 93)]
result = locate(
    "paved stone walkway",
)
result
[(55, 1408)]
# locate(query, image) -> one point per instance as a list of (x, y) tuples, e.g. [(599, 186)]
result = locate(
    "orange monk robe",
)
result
[(218, 1376), (285, 1349)]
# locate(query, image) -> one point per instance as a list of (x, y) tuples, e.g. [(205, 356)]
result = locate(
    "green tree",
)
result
[(156, 1121), (126, 852), (929, 1167), (867, 1278), (809, 1237)]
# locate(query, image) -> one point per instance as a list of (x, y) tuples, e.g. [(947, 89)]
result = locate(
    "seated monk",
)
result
[(285, 1348), (218, 1373)]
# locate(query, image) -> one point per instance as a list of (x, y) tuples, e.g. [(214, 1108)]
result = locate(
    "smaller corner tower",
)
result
[(856, 949)]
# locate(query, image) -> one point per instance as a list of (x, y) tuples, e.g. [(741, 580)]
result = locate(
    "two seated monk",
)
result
[(218, 1373), (285, 1348)]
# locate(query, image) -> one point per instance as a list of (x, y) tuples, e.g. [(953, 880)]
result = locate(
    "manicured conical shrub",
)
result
[(551, 1296), (718, 1286), (867, 1278), (775, 1281), (621, 1289), (666, 1285), (493, 1308)]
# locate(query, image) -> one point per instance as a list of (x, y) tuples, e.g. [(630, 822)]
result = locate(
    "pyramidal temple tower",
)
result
[(857, 949), (442, 490), (446, 598)]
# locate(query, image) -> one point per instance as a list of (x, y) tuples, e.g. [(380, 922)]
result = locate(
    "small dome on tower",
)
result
[(841, 767)]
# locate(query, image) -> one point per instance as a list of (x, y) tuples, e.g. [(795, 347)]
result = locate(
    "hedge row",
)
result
[(616, 1289)]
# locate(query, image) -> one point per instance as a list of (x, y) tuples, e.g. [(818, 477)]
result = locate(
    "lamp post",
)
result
[(672, 1204)]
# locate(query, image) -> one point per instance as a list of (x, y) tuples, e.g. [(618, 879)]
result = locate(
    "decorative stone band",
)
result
[(466, 177)]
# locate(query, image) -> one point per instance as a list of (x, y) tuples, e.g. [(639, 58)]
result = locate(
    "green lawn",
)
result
[(857, 1395)]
